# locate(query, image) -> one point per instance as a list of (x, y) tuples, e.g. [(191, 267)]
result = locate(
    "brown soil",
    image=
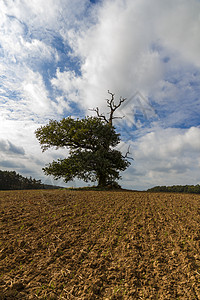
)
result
[(99, 245)]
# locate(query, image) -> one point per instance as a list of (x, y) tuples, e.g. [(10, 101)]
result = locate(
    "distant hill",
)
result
[(10, 180), (195, 189)]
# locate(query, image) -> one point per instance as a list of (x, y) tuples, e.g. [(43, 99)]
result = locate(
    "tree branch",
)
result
[(113, 107), (99, 115), (128, 152)]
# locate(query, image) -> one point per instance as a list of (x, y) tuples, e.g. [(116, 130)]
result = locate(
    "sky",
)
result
[(59, 59)]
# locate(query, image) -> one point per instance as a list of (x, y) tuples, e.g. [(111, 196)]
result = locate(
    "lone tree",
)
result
[(90, 142)]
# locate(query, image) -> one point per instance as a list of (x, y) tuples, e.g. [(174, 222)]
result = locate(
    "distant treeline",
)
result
[(10, 180), (195, 189)]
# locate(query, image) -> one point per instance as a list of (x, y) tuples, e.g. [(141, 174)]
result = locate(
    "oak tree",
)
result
[(91, 142)]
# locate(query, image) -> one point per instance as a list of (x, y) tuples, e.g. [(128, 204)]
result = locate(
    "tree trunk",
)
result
[(102, 180)]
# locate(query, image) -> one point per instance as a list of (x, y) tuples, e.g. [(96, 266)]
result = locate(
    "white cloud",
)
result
[(124, 51), (9, 148), (69, 83), (19, 47), (115, 53), (29, 32), (35, 94), (49, 14), (178, 26), (18, 136), (166, 157), (31, 99), (36, 49), (169, 143), (61, 105)]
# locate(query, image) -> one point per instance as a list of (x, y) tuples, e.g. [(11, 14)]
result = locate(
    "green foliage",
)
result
[(195, 189), (10, 180), (89, 133), (91, 157)]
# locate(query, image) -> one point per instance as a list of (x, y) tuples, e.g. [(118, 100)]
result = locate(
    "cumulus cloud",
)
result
[(9, 148), (134, 47), (128, 47), (166, 157), (169, 143), (116, 54), (30, 49), (20, 150), (11, 164), (42, 14), (35, 95), (178, 27)]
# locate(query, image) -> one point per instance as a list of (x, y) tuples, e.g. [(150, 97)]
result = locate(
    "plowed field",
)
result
[(99, 245)]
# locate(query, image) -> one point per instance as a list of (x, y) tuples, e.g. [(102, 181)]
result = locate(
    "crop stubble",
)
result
[(65, 244)]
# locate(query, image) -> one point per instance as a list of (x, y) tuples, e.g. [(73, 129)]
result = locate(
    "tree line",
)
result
[(10, 180), (195, 189)]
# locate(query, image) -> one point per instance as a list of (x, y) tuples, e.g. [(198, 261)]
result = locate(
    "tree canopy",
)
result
[(91, 143)]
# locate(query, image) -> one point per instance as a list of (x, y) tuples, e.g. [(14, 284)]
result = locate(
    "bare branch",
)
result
[(99, 115), (128, 152), (113, 107), (111, 102)]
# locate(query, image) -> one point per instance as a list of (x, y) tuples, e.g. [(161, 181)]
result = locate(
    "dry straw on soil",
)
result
[(99, 245)]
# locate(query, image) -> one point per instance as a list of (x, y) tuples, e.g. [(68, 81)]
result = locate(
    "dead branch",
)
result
[(98, 114), (113, 107), (128, 152)]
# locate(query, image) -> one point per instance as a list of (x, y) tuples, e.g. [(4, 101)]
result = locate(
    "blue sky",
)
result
[(59, 58)]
